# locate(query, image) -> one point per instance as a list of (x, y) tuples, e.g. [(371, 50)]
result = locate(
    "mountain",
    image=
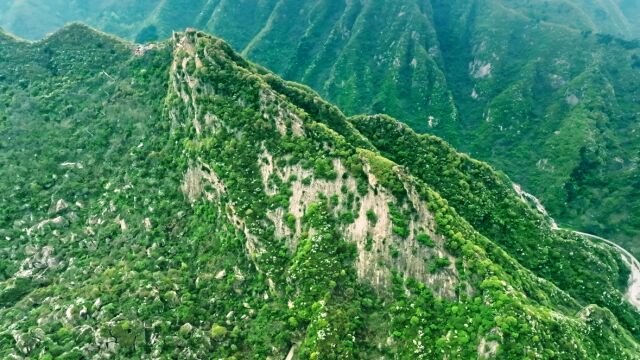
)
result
[(555, 108), (174, 200), (545, 91), (34, 19)]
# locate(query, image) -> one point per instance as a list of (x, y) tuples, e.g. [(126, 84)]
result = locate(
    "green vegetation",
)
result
[(487, 201), (151, 205), (437, 264), (218, 332), (371, 216), (555, 113), (425, 240)]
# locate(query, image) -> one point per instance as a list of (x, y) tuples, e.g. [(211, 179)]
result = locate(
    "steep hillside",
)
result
[(543, 90), (33, 19), (177, 201), (554, 107), (498, 209)]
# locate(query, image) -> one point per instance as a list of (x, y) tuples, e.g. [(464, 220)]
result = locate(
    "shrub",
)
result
[(218, 331), (425, 240), (371, 216)]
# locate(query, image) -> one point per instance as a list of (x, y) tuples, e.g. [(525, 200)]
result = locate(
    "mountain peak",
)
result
[(189, 39), (79, 34), (77, 27)]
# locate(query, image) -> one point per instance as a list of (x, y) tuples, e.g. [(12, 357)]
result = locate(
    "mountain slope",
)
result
[(33, 19), (545, 91), (488, 201), (179, 201), (558, 114)]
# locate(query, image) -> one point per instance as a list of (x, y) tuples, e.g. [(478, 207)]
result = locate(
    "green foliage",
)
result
[(384, 170), (487, 201), (425, 240), (290, 220), (347, 217), (368, 243), (323, 169), (399, 220), (13, 292), (148, 205), (450, 68), (371, 216), (438, 264), (218, 332)]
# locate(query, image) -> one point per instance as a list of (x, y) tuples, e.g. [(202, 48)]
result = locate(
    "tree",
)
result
[(218, 332)]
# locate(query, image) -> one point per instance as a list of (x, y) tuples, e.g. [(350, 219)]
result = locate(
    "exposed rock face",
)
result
[(388, 252), (412, 258), (488, 349), (479, 69), (372, 264), (39, 260), (201, 181)]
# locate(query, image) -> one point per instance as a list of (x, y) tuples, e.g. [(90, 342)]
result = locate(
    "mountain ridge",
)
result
[(192, 203), (543, 91)]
